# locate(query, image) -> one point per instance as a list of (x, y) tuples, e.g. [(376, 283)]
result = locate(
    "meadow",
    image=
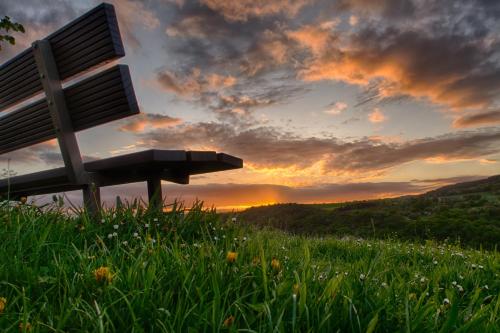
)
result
[(191, 270)]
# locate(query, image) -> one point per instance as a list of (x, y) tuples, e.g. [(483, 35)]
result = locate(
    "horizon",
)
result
[(324, 101)]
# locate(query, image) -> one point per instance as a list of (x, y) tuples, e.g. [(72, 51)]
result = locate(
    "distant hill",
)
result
[(466, 212), (487, 185)]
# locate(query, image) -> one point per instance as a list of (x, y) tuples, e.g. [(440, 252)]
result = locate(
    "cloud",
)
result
[(39, 20), (243, 10), (449, 70), (131, 15), (377, 116), (336, 108), (270, 147), (148, 120), (489, 118)]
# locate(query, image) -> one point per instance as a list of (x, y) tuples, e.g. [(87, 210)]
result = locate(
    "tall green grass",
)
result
[(170, 273)]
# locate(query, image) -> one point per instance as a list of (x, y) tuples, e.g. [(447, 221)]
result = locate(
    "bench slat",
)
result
[(89, 41), (110, 97)]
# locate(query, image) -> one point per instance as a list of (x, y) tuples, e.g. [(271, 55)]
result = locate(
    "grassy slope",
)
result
[(468, 212), (183, 282)]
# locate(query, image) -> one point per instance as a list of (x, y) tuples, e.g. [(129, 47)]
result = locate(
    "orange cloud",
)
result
[(193, 84), (376, 116), (242, 10), (490, 118), (152, 120), (403, 64)]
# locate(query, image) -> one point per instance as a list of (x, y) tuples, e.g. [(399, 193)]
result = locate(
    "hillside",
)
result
[(466, 212)]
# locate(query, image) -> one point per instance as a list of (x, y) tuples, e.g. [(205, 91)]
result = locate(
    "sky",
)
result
[(324, 100)]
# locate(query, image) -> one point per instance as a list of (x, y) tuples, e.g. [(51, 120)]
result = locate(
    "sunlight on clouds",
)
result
[(377, 116)]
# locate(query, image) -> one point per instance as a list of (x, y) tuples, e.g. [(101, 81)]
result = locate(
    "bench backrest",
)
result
[(90, 41)]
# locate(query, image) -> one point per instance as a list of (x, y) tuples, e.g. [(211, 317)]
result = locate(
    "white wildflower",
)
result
[(125, 243), (362, 277), (115, 226), (115, 234), (110, 236), (446, 301), (146, 225), (136, 234)]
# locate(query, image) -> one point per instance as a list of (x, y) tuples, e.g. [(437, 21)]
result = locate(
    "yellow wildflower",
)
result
[(255, 261), (103, 274), (229, 321), (3, 303), (275, 264), (231, 256), (24, 327)]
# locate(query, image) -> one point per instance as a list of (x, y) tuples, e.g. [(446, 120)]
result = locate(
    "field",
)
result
[(190, 271)]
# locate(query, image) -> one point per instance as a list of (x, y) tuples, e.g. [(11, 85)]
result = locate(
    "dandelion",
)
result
[(362, 277), (3, 303), (435, 262), (25, 327), (103, 274), (275, 264), (446, 301), (229, 321), (422, 279), (255, 261), (244, 239), (454, 283), (231, 256), (103, 220), (115, 226)]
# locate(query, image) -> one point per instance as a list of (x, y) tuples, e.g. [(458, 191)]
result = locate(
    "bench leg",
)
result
[(92, 199), (154, 193)]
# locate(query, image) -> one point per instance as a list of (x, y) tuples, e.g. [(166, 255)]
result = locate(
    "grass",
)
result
[(139, 272)]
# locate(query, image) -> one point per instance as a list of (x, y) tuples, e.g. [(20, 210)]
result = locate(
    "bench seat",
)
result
[(172, 165)]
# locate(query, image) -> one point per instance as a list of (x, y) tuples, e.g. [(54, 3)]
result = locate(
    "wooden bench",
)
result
[(88, 42)]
